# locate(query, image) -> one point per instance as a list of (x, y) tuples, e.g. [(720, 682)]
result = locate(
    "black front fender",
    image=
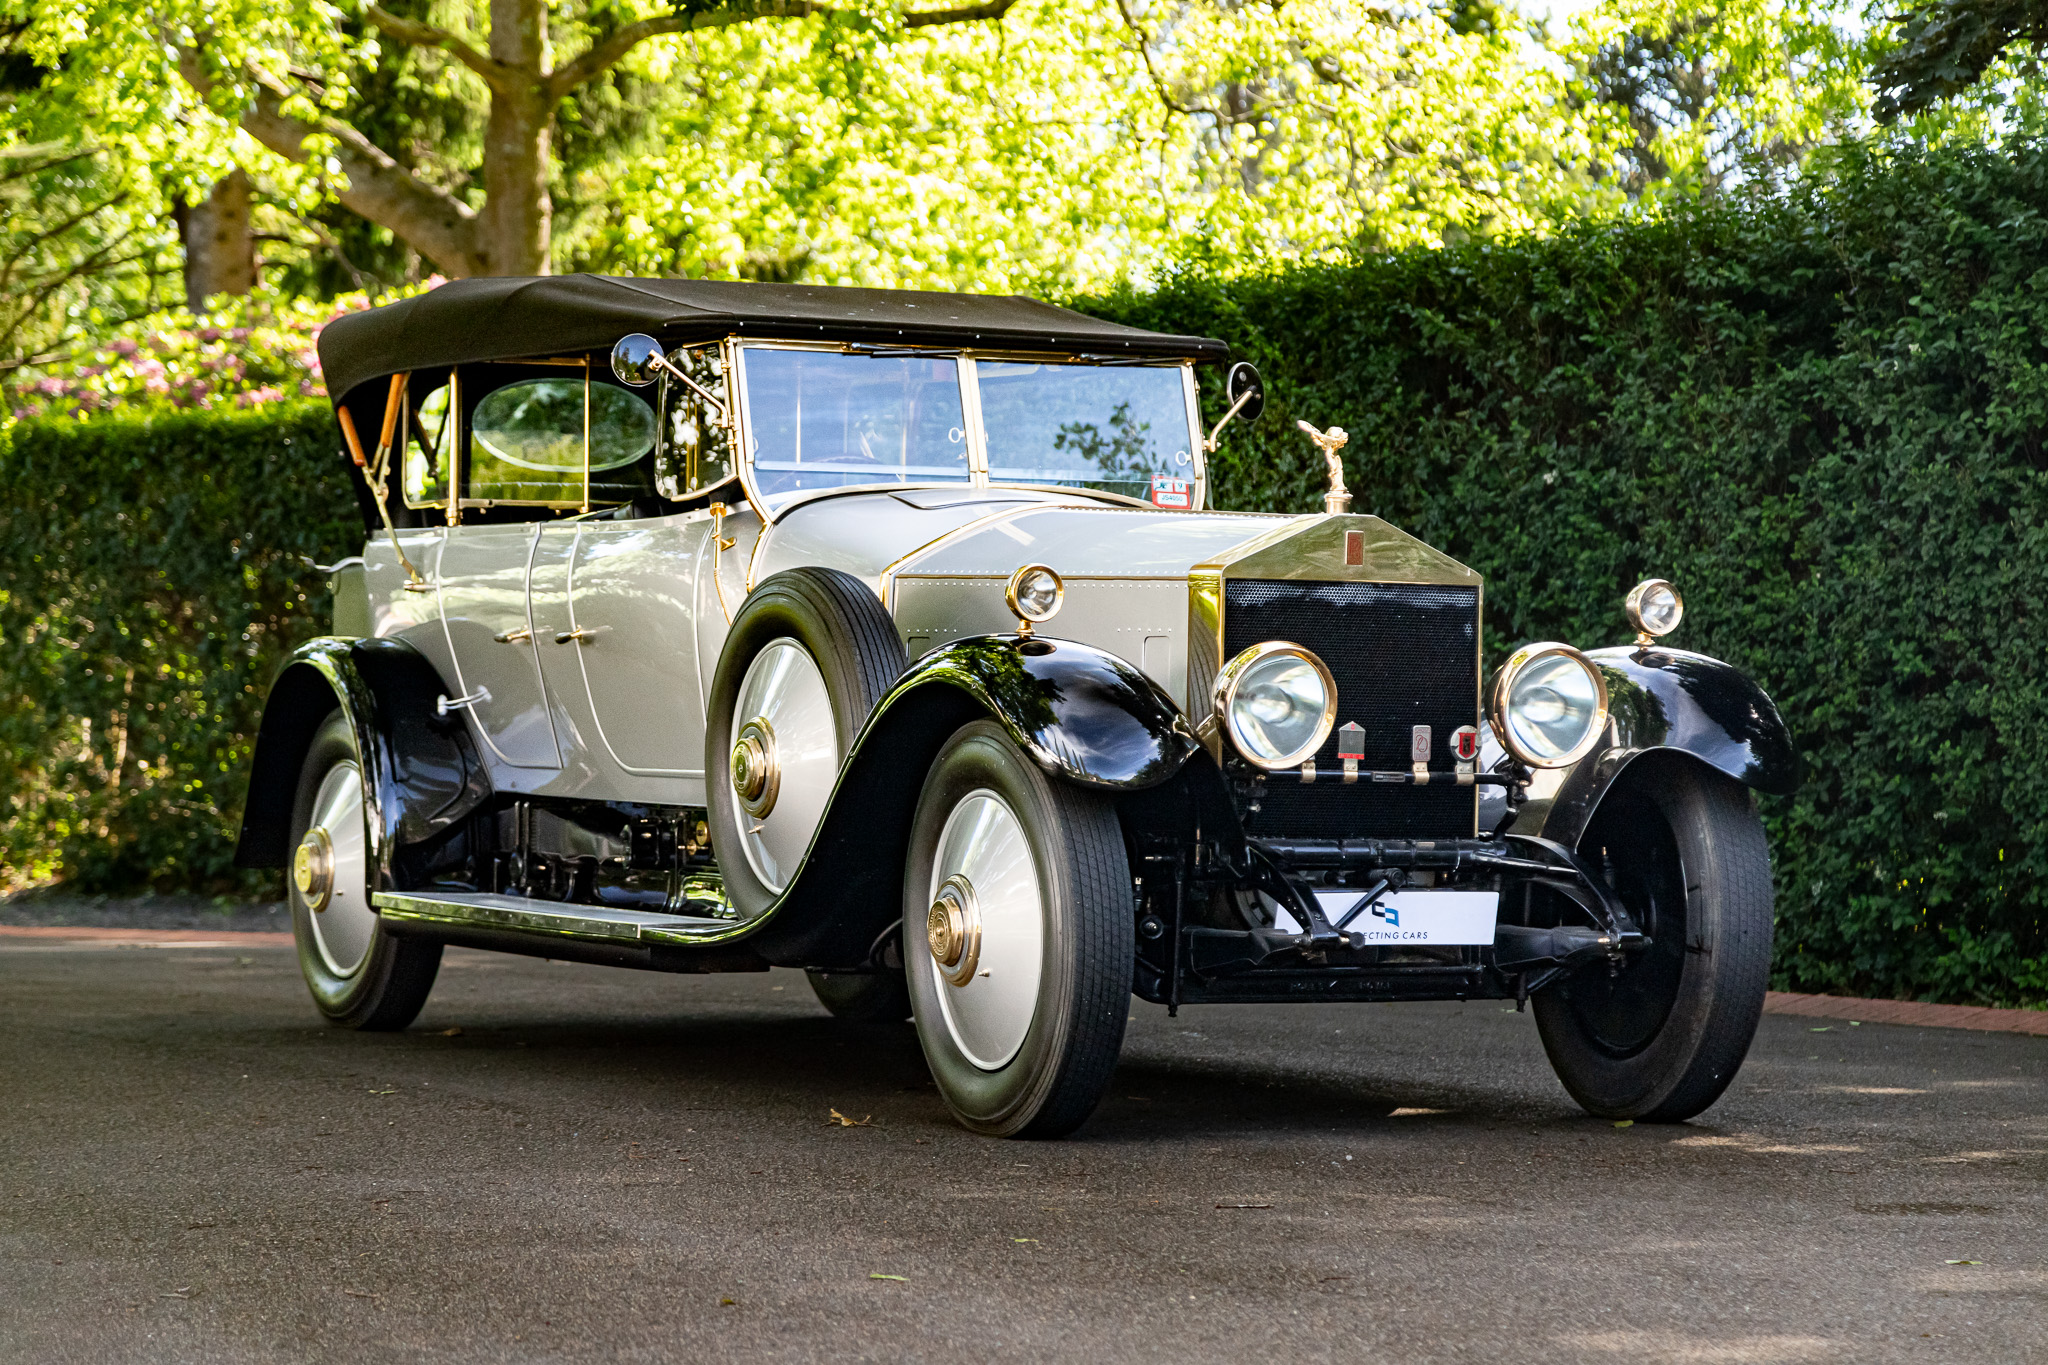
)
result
[(1670, 700), (421, 772), (1082, 714)]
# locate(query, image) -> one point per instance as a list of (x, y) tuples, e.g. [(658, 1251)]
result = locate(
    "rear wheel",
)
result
[(360, 976), (1661, 1038), (1018, 938)]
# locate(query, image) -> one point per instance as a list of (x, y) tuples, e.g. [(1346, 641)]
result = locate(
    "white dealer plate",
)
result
[(1433, 917)]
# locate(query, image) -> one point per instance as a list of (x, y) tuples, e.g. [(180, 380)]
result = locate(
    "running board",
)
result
[(555, 919)]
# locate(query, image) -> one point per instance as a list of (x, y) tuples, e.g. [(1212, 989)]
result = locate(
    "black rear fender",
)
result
[(421, 772)]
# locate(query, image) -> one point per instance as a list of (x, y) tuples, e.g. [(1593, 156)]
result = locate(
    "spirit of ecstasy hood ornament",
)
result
[(1338, 499)]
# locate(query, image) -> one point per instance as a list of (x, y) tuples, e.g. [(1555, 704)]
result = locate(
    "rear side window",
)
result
[(537, 440), (428, 448)]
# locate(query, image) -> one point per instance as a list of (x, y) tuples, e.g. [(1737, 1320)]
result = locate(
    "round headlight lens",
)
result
[(1654, 607), (1278, 701), (1035, 592), (1549, 705)]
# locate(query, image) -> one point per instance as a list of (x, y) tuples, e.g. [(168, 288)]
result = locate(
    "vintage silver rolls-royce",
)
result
[(706, 627)]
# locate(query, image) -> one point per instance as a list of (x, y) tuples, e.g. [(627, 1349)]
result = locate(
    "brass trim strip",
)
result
[(885, 585)]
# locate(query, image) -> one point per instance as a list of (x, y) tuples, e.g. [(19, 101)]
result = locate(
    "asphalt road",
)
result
[(575, 1163)]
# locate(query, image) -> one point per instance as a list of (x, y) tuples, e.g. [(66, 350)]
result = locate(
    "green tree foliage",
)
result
[(1709, 94), (1944, 48), (1078, 143), (1822, 414)]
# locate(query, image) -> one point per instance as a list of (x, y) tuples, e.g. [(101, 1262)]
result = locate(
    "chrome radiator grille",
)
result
[(1403, 654)]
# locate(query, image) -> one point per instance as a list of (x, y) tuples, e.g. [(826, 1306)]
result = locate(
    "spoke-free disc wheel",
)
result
[(1660, 1039), (360, 976), (809, 655), (1017, 938)]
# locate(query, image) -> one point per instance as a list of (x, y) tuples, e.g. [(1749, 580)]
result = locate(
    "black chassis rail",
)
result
[(1180, 962)]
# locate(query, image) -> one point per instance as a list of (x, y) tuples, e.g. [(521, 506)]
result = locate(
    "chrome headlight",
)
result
[(1277, 703), (1654, 607), (1548, 705)]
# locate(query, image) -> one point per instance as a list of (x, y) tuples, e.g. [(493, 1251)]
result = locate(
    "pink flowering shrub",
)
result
[(245, 353)]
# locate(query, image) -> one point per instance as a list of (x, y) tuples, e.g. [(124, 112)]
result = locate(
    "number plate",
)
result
[(1422, 917)]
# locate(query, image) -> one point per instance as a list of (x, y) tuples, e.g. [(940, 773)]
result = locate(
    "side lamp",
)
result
[(1654, 608)]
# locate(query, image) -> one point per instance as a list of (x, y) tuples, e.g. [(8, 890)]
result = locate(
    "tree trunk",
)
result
[(518, 213), (220, 250)]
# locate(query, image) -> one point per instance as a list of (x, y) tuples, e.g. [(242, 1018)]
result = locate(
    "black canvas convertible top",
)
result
[(507, 318)]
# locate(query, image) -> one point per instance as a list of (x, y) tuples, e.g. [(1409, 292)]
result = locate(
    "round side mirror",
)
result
[(1243, 381), (636, 360)]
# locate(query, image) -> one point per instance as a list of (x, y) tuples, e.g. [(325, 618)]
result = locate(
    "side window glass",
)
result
[(696, 452), (527, 443), (427, 451)]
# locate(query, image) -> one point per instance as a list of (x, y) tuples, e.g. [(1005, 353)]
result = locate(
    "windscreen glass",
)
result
[(1122, 429), (825, 419)]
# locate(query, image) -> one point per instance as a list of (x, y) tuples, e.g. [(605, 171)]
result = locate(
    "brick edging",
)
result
[(1909, 1012), (226, 938)]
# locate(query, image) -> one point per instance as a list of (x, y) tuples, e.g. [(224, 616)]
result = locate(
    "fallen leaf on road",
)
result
[(727, 1303), (840, 1120), (904, 1278), (451, 1032), (1821, 1030), (1023, 1239), (1962, 1263), (1241, 1206), (1624, 1123), (383, 1092), (192, 1226), (186, 1292)]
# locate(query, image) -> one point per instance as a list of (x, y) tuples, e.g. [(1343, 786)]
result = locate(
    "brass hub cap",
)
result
[(756, 777), (313, 869), (952, 929)]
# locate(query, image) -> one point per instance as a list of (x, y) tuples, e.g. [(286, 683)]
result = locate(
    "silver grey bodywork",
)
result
[(588, 645)]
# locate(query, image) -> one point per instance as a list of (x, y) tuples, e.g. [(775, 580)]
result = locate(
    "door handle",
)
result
[(582, 635), (514, 637)]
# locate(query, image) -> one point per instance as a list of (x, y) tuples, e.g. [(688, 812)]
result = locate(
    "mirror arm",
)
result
[(661, 362), (1209, 445)]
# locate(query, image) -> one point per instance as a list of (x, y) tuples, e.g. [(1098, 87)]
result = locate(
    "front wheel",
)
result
[(360, 976), (1018, 938), (1661, 1038)]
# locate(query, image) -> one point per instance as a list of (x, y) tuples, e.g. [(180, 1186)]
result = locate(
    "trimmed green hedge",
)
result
[(1822, 417), (150, 582)]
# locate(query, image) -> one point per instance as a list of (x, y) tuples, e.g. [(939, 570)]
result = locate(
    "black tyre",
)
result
[(809, 655), (360, 976), (1018, 938), (1662, 1038), (870, 997)]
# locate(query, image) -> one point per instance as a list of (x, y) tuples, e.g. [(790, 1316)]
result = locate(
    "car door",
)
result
[(632, 593), (484, 573)]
